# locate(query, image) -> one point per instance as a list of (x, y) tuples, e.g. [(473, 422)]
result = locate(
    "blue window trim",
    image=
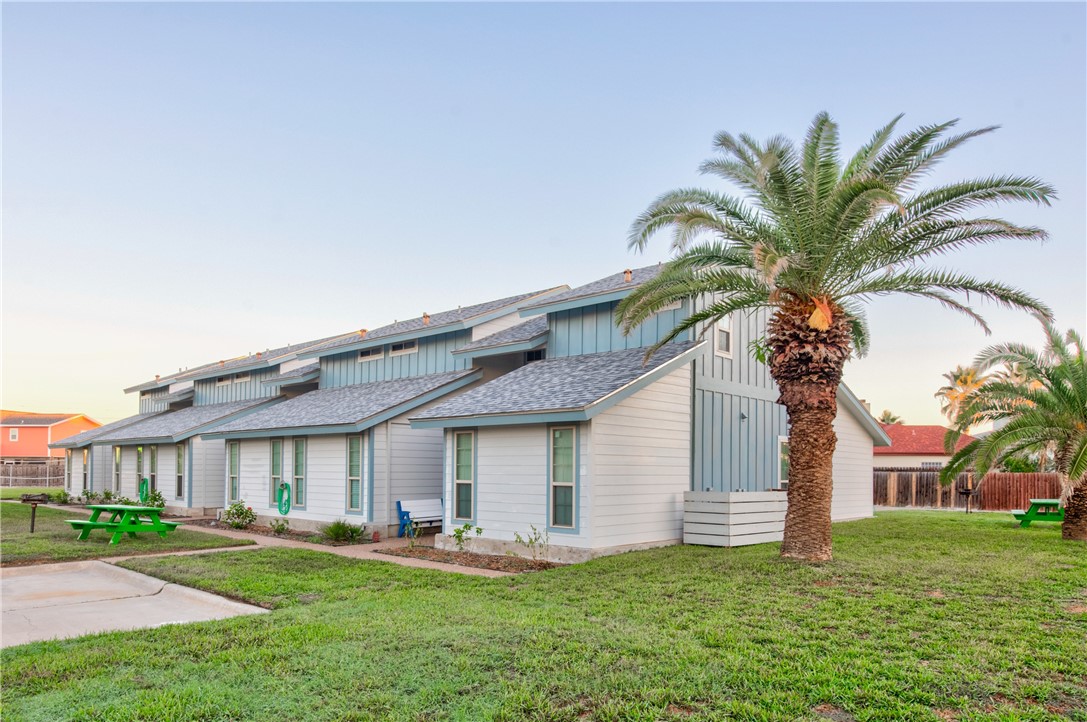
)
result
[(576, 529), (453, 518), (228, 445), (188, 470), (370, 476), (363, 464), (305, 472)]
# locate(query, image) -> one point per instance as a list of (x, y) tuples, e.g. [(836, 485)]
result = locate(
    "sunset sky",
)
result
[(184, 183)]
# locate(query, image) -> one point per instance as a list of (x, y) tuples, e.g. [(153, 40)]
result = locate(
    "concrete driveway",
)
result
[(56, 601)]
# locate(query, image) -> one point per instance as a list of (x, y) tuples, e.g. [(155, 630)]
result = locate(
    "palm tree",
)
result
[(813, 239), (889, 417), (1049, 411), (961, 382)]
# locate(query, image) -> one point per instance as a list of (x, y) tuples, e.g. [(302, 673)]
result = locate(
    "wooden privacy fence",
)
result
[(48, 474), (997, 491)]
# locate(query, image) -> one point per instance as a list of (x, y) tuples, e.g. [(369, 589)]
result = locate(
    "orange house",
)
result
[(27, 435)]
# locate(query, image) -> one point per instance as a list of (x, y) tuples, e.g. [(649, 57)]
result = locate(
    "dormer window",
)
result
[(240, 377), (222, 380), (371, 354), (535, 355), (403, 347)]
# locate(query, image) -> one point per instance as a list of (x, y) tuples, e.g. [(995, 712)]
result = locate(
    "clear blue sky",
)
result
[(188, 182)]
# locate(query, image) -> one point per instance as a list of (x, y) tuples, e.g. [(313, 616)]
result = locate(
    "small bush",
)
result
[(238, 515), (341, 530), (62, 497), (460, 535), (125, 500), (155, 498), (107, 496), (91, 496), (279, 526)]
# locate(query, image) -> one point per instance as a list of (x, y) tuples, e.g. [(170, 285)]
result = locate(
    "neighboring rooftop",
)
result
[(562, 384), (526, 332), (181, 424), (90, 435), (917, 440), (604, 286), (345, 405), (456, 317), (30, 418)]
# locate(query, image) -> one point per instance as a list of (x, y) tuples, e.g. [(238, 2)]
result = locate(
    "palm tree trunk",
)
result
[(811, 483), (807, 363), (1074, 525)]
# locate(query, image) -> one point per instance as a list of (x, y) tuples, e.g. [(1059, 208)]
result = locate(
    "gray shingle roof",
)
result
[(343, 405), (295, 373), (515, 334), (29, 418), (91, 435), (615, 282), (177, 395), (176, 423), (569, 383), (260, 357), (437, 320)]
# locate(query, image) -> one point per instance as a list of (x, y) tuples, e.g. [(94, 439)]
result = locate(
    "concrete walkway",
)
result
[(58, 601)]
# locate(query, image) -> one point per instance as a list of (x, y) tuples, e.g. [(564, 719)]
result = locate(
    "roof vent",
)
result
[(628, 276), (258, 355), (362, 333), (426, 318), (222, 363), (157, 377)]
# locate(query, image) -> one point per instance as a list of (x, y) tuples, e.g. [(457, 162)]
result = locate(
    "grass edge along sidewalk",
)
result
[(55, 541), (921, 616)]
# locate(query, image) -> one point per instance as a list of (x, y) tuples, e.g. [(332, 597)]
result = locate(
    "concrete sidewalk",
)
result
[(58, 601)]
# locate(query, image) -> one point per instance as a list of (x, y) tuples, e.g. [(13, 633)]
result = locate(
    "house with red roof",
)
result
[(25, 435), (915, 446)]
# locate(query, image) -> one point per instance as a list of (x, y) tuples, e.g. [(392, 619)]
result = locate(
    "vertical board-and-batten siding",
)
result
[(592, 329), (433, 355), (852, 461), (152, 400), (208, 391), (641, 464)]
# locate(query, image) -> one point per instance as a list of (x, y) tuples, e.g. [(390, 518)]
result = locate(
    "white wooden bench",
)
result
[(418, 511)]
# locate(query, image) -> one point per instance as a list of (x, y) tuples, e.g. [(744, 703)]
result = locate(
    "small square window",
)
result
[(371, 354), (13, 434), (535, 355), (240, 377), (222, 380)]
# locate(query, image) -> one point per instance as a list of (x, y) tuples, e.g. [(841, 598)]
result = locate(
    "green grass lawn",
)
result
[(921, 616), (55, 541), (16, 492)]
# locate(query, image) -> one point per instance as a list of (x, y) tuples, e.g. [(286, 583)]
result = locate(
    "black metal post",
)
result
[(33, 516)]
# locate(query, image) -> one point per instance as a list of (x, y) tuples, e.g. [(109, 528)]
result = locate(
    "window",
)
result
[(68, 469), (299, 472), (277, 471), (179, 471), (371, 354), (116, 468), (13, 434), (724, 337), (403, 347), (222, 380), (85, 469), (154, 463), (464, 473), (563, 473), (139, 467), (354, 473), (537, 355), (783, 462), (241, 377), (931, 465), (234, 457)]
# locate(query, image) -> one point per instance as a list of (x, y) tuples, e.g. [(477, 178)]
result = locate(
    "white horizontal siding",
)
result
[(852, 462), (641, 464), (102, 465), (208, 480), (416, 463), (908, 461), (501, 323), (128, 472)]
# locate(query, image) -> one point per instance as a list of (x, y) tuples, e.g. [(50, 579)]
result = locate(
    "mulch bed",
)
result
[(507, 563), (305, 536)]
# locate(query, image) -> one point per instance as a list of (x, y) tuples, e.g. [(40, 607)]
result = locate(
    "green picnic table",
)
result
[(1040, 510), (123, 519)]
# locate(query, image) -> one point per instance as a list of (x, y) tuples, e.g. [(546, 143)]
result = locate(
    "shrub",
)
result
[(91, 496), (124, 500), (538, 544), (279, 526), (460, 535), (62, 497), (107, 496), (155, 498), (341, 530), (238, 515)]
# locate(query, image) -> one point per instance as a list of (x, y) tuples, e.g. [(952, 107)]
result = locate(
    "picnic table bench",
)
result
[(123, 519), (1040, 510), (421, 511)]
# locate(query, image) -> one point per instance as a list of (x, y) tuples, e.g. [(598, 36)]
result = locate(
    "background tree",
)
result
[(961, 382), (889, 417), (1049, 411), (813, 238)]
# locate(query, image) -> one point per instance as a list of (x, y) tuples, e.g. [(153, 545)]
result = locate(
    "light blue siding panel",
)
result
[(434, 355), (592, 329), (152, 400), (207, 391)]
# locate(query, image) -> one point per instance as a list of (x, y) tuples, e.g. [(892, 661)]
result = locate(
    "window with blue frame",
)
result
[(464, 473), (354, 473), (276, 471), (235, 453), (563, 474), (299, 462)]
